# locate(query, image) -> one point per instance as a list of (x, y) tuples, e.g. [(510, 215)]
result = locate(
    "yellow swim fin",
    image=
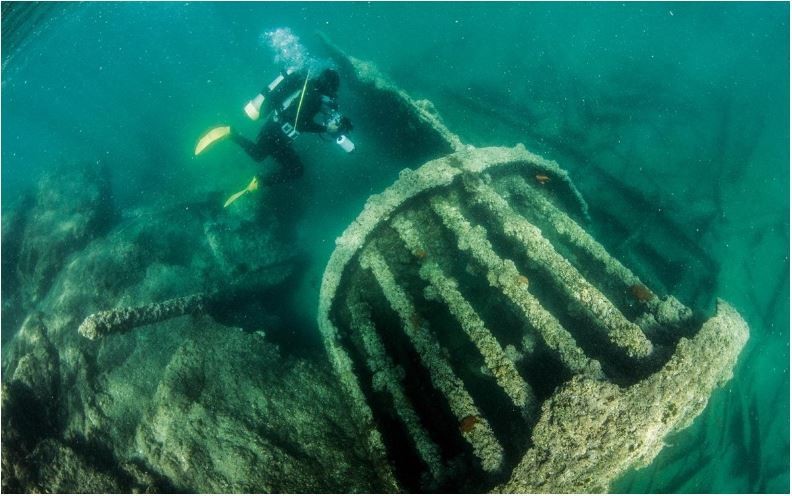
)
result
[(212, 136), (253, 186)]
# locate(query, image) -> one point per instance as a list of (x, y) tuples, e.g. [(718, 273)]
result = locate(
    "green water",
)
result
[(688, 103)]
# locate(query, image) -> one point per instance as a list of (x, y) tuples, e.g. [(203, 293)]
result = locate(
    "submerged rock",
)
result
[(36, 366), (231, 415), (72, 206), (29, 401), (249, 245), (182, 404), (13, 225), (57, 468)]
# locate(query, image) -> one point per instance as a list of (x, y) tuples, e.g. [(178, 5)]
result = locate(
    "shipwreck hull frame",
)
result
[(645, 346), (479, 257)]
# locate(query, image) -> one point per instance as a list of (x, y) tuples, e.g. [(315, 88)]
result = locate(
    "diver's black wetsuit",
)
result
[(272, 140)]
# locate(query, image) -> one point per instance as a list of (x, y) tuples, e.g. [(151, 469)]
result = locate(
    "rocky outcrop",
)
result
[(230, 414), (72, 206), (183, 403), (249, 245)]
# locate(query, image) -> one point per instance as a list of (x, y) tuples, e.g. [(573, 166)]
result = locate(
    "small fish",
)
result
[(468, 423), (542, 179), (640, 292)]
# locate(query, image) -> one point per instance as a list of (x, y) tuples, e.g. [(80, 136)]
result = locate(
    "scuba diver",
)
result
[(293, 103)]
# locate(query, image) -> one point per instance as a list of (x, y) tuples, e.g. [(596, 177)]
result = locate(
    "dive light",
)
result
[(341, 124), (345, 144)]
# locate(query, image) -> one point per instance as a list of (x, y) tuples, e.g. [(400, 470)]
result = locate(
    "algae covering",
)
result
[(169, 396), (486, 342), (479, 339), (465, 292)]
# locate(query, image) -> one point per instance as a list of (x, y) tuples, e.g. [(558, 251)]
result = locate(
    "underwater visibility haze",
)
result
[(248, 313)]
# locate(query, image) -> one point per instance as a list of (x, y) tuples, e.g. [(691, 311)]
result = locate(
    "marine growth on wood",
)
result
[(487, 342)]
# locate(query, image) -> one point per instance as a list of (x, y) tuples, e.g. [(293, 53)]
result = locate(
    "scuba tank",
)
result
[(253, 107)]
